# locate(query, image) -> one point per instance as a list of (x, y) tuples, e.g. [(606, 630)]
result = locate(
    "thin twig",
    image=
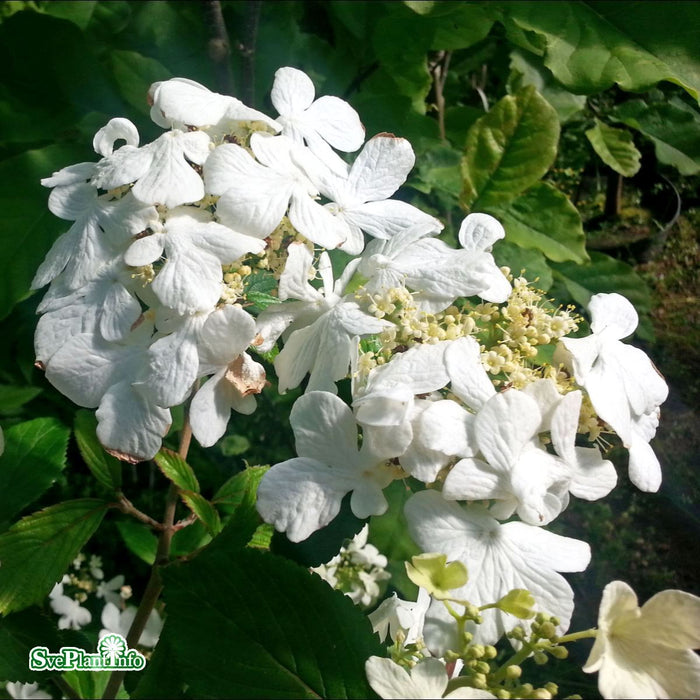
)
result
[(126, 506), (439, 72), (219, 48)]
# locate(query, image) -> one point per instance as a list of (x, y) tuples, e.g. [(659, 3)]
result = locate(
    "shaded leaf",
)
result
[(204, 510), (283, 631), (543, 218), (139, 538), (14, 397), (528, 262), (134, 74), (105, 468)]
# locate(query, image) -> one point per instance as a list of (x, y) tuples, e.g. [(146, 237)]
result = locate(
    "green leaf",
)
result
[(80, 13), (543, 218), (204, 510), (14, 397), (105, 468), (438, 168), (28, 228), (528, 69), (615, 148), (139, 538), (36, 551), (508, 150), (177, 470), (35, 454), (673, 127), (240, 489), (528, 262), (134, 74), (20, 632), (590, 46), (464, 25), (603, 274), (283, 632)]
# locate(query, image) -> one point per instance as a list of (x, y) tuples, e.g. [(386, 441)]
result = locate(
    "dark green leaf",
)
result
[(177, 470), (105, 468), (14, 397), (283, 632), (35, 454), (673, 126), (508, 150), (615, 148), (80, 13), (529, 263), (543, 218), (134, 74), (36, 551), (139, 538)]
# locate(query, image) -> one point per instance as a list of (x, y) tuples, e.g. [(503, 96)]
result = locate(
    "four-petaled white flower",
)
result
[(303, 494), (646, 652), (116, 621), (72, 614)]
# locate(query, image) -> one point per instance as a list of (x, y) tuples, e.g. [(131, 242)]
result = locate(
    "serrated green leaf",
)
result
[(36, 551), (105, 468), (603, 274), (14, 397), (204, 510), (240, 488), (134, 74), (590, 46), (508, 150), (283, 631), (529, 69), (35, 454), (673, 127), (531, 263), (261, 299), (543, 218), (615, 147), (262, 537), (139, 538), (177, 470)]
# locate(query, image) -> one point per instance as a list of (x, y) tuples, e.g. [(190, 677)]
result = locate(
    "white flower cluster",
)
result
[(152, 288)]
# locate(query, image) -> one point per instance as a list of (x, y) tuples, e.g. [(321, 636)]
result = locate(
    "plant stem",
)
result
[(154, 586), (247, 49), (218, 47), (126, 506), (575, 636), (613, 195), (66, 688)]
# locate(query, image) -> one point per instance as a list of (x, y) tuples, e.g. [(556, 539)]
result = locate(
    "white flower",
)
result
[(516, 468), (256, 194), (72, 615), (323, 328), (395, 615), (195, 247), (180, 102), (327, 121), (161, 170), (625, 388), (646, 652), (26, 691), (427, 679), (236, 377), (303, 494), (115, 621), (360, 198), (499, 558), (95, 566), (110, 590)]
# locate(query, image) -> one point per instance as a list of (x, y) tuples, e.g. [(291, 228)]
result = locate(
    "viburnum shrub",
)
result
[(236, 244)]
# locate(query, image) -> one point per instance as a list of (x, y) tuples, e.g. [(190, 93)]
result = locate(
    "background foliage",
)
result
[(575, 123)]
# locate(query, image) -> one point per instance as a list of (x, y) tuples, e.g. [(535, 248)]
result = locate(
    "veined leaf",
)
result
[(543, 218), (615, 148), (204, 510), (590, 46), (35, 454), (36, 551), (177, 470), (283, 631), (672, 125), (508, 150)]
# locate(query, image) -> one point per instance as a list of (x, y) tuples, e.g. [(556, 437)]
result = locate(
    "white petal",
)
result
[(210, 411), (469, 380), (292, 91), (336, 122), (115, 130), (478, 232), (612, 314)]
